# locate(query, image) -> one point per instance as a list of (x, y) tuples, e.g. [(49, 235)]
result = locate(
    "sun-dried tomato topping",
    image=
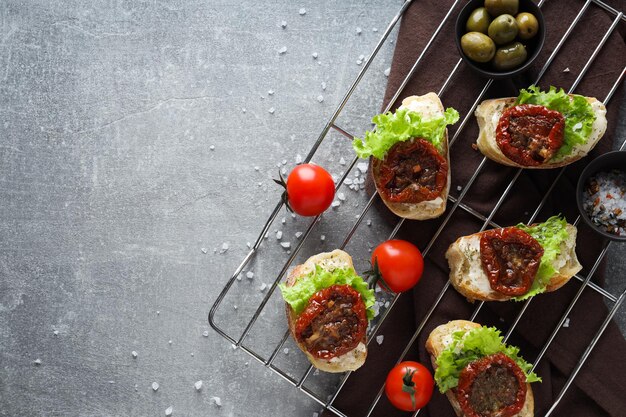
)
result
[(411, 172), (510, 257), (333, 323), (493, 386), (529, 134)]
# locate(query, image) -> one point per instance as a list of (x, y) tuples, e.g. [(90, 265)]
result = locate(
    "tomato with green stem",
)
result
[(409, 386), (309, 189), (397, 265)]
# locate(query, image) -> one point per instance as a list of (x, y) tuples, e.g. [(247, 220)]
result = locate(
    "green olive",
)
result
[(510, 56), (498, 7), (478, 21), (503, 29), (478, 46), (527, 24)]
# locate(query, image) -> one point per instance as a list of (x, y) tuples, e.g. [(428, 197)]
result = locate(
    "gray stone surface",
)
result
[(130, 138)]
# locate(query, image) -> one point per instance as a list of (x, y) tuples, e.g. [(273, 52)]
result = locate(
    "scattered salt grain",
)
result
[(284, 162), (314, 55), (249, 274), (212, 147), (205, 333), (279, 235), (271, 110), (37, 362), (204, 250), (374, 29), (298, 158), (270, 92), (358, 30), (286, 351), (298, 234), (323, 238), (566, 323), (169, 342), (155, 386), (335, 204), (263, 287), (342, 161), (566, 69), (169, 410), (224, 247), (282, 51), (249, 245), (348, 181), (158, 312), (320, 98), (359, 62), (341, 196), (459, 188), (217, 401), (283, 24), (285, 245), (191, 353), (243, 109), (134, 353), (362, 166), (233, 346), (369, 222), (379, 339), (323, 86), (387, 72), (302, 11), (235, 307), (56, 332), (198, 385), (361, 57), (315, 415)]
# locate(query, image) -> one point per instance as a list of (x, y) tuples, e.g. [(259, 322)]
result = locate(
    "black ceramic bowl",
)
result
[(605, 162), (533, 46)]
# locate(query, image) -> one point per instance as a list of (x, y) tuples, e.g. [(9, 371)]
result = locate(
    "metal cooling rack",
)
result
[(457, 203)]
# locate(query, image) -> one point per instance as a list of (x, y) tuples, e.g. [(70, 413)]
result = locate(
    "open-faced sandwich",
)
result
[(328, 308), (410, 160), (540, 129), (514, 262), (480, 375)]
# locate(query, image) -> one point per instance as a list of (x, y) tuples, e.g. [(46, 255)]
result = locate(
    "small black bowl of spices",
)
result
[(601, 195)]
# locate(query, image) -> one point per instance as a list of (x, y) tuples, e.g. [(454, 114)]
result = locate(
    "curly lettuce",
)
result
[(550, 234), (298, 295), (578, 113), (466, 347), (401, 126)]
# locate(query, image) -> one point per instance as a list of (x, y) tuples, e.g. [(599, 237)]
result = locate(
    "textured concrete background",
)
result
[(137, 145)]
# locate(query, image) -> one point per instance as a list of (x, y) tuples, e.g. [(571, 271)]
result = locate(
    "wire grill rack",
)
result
[(327, 401)]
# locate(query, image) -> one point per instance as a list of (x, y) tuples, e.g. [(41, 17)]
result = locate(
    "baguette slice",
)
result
[(440, 338), (488, 115), (468, 278), (349, 361), (428, 106)]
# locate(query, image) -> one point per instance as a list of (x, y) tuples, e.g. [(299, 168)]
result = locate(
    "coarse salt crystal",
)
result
[(283, 24), (270, 92), (566, 323), (224, 247), (314, 55), (286, 351), (217, 401), (249, 274), (320, 98), (302, 11), (379, 339), (285, 245), (263, 287), (358, 30), (369, 222), (298, 234), (323, 86), (56, 332), (323, 238), (271, 110), (298, 158), (205, 333), (361, 57), (341, 196), (212, 147), (566, 69), (279, 235), (155, 386), (198, 385), (169, 410), (374, 29), (335, 203), (282, 50), (203, 250), (387, 72), (37, 362), (359, 62), (362, 166), (134, 353), (342, 161)]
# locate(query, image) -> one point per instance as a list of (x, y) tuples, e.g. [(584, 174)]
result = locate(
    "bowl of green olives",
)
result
[(500, 38)]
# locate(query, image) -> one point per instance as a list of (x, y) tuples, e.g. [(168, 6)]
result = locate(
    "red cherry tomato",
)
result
[(310, 189), (409, 386), (399, 263)]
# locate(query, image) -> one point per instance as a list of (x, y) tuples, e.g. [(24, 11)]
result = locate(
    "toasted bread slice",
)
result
[(349, 361), (441, 338), (488, 115), (428, 106), (468, 278)]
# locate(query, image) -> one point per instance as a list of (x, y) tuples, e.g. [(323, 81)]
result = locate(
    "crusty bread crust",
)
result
[(425, 209), (441, 337), (350, 361), (488, 114), (469, 279)]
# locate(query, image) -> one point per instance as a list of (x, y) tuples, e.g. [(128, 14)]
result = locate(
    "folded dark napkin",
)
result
[(600, 387)]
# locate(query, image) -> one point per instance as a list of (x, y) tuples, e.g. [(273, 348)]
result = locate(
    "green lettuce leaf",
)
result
[(578, 113), (550, 234), (401, 126), (466, 347), (298, 295)]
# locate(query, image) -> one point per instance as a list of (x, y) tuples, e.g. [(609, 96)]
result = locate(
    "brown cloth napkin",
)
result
[(600, 387)]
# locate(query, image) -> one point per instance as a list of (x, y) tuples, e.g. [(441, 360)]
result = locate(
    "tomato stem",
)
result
[(377, 277), (284, 197), (408, 385)]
